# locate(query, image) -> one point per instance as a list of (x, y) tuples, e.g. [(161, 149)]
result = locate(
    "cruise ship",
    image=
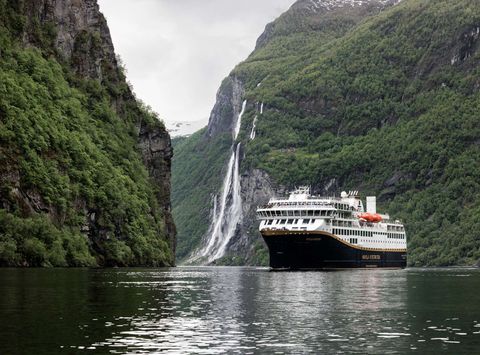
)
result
[(305, 232)]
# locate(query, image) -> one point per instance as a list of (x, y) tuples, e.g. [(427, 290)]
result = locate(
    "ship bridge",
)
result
[(300, 203)]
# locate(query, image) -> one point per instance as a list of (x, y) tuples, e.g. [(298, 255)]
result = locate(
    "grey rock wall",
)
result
[(82, 34), (257, 189), (227, 107)]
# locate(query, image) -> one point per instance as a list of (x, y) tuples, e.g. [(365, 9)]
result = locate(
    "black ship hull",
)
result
[(302, 250)]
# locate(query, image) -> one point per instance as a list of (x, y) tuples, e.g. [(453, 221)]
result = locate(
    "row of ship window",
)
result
[(355, 241), (350, 224), (288, 213), (395, 236), (361, 233), (395, 228), (342, 223), (340, 206), (288, 221)]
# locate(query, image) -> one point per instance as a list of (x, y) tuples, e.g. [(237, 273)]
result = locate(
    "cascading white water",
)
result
[(234, 214), (214, 211), (239, 121), (252, 133), (215, 230), (215, 206), (254, 125), (224, 222)]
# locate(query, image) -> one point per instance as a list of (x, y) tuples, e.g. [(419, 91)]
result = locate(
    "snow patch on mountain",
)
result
[(317, 5), (181, 129)]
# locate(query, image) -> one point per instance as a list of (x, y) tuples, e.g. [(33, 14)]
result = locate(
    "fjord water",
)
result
[(239, 310)]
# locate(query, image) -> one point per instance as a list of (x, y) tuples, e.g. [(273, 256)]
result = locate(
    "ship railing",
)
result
[(328, 199), (295, 204)]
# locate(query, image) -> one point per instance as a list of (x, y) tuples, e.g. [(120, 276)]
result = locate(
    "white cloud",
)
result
[(178, 51)]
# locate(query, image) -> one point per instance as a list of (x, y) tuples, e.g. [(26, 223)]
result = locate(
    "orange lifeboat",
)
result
[(370, 217)]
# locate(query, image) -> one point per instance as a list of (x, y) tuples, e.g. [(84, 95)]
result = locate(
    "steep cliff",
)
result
[(376, 96), (85, 168)]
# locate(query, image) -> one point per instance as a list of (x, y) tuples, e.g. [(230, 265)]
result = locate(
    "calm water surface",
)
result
[(239, 310)]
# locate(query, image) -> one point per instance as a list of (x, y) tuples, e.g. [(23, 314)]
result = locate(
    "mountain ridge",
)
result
[(365, 107)]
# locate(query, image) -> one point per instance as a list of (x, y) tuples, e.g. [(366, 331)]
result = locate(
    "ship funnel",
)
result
[(371, 204)]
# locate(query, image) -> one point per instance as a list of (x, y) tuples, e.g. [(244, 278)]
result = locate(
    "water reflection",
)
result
[(239, 310)]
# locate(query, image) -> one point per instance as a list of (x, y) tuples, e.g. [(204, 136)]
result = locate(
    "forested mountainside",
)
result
[(377, 96), (84, 167)]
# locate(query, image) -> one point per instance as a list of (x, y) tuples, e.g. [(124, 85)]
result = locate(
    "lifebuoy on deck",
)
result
[(370, 217)]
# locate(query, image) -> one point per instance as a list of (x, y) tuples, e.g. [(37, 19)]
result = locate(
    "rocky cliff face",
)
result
[(227, 107), (257, 188), (82, 36), (76, 34), (157, 153)]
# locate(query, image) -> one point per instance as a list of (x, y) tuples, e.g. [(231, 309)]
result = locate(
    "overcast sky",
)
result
[(178, 51)]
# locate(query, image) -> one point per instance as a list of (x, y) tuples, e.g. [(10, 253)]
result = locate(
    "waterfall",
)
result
[(215, 230), (214, 211), (234, 214), (254, 125), (228, 214), (252, 133), (239, 121)]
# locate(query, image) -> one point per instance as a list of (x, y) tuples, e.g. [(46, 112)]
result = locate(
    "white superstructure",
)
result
[(344, 217)]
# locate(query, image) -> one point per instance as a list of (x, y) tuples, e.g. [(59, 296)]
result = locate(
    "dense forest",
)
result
[(356, 98), (74, 187)]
